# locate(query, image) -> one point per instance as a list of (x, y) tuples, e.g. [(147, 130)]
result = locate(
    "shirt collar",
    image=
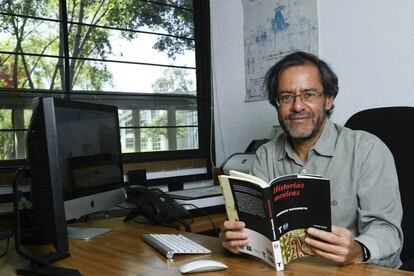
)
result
[(326, 142), (324, 146)]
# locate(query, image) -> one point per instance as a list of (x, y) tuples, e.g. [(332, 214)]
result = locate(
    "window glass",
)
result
[(36, 37), (12, 138), (138, 55), (43, 9), (12, 144), (29, 72), (174, 18)]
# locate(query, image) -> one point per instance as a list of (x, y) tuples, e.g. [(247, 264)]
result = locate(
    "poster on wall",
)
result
[(273, 29)]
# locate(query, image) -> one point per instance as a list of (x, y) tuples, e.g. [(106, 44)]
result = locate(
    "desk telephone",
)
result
[(155, 205)]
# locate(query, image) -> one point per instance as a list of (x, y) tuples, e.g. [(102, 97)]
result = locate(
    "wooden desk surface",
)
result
[(122, 252)]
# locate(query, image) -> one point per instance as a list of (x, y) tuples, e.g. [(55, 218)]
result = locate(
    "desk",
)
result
[(197, 224), (122, 252)]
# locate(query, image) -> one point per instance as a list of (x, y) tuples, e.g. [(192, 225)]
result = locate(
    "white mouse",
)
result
[(202, 266)]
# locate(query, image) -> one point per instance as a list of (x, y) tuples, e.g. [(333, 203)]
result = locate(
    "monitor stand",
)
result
[(27, 268), (85, 233)]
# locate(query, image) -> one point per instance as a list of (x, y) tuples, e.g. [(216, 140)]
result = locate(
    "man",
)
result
[(365, 198)]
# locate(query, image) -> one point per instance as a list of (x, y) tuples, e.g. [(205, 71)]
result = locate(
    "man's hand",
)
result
[(232, 235), (338, 245)]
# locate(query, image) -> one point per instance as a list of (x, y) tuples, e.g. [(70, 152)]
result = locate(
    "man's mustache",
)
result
[(292, 116)]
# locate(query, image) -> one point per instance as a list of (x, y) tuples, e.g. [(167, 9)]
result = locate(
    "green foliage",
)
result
[(159, 132), (174, 81), (42, 37), (7, 145), (39, 37), (154, 133), (6, 137), (3, 83), (5, 119), (178, 22)]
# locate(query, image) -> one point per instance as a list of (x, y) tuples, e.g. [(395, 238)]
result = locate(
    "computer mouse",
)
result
[(202, 266)]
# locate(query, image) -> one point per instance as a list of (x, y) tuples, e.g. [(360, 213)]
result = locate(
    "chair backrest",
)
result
[(395, 127)]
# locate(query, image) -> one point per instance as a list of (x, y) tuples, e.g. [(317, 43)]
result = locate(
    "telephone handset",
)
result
[(154, 204)]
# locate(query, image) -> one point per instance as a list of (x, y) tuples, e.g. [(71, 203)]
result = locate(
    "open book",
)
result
[(278, 213)]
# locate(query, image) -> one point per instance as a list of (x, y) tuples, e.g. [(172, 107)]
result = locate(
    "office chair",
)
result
[(394, 126)]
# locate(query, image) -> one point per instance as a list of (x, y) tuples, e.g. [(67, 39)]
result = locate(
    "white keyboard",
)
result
[(170, 244)]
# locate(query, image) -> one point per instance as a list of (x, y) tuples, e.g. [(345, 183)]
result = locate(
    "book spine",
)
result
[(272, 223), (268, 196), (277, 252), (277, 256)]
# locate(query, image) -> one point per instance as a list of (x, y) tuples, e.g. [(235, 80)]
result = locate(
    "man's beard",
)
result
[(301, 136)]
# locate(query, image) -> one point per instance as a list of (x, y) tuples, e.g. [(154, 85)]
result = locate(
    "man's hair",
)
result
[(328, 77)]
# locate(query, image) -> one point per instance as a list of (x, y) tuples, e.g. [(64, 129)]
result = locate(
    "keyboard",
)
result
[(170, 244)]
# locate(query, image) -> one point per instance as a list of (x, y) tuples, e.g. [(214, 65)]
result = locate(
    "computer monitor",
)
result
[(89, 152), (84, 157), (46, 192)]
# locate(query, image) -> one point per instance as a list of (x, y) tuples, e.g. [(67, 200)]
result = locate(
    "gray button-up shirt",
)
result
[(365, 197)]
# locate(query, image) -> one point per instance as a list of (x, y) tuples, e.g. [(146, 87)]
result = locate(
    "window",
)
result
[(129, 143), (156, 143), (144, 144), (128, 124), (149, 58)]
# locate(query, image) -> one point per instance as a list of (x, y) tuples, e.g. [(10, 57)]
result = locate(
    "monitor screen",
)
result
[(75, 165), (89, 152)]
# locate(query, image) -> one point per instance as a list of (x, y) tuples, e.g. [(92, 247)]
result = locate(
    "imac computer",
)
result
[(80, 155), (89, 151)]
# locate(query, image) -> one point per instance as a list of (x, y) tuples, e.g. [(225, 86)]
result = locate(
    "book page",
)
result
[(246, 201), (252, 205), (259, 246), (228, 198), (249, 177), (278, 215)]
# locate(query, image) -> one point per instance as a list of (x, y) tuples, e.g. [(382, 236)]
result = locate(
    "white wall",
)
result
[(369, 44), (236, 122)]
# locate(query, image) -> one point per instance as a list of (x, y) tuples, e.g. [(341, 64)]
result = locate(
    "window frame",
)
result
[(203, 97)]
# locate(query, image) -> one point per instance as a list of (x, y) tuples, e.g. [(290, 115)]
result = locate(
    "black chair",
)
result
[(395, 127)]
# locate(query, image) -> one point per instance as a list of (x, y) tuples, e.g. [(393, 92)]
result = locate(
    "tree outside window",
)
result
[(34, 61)]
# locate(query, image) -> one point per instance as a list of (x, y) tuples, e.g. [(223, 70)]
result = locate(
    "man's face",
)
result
[(302, 119)]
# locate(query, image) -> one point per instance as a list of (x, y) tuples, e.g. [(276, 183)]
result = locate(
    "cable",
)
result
[(123, 207), (205, 214), (214, 97), (186, 225), (6, 234), (7, 248)]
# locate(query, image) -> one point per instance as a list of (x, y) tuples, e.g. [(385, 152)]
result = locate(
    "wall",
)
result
[(369, 44)]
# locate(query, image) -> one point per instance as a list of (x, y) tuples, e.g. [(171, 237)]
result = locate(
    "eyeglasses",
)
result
[(308, 97)]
